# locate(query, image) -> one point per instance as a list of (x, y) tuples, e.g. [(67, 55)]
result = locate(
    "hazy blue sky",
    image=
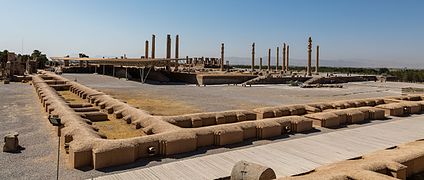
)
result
[(378, 31)]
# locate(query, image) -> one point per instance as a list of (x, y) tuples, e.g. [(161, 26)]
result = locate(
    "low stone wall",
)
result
[(210, 79), (273, 79), (210, 118), (168, 135), (87, 147)]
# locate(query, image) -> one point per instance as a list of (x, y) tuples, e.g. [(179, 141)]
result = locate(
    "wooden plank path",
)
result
[(292, 156)]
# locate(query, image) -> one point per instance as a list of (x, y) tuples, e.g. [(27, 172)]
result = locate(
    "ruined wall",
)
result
[(400, 162), (168, 135)]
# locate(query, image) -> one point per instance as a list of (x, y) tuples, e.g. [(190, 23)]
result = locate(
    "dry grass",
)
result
[(71, 97), (154, 104), (117, 129)]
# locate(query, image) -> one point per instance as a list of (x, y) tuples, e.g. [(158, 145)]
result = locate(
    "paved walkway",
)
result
[(292, 156)]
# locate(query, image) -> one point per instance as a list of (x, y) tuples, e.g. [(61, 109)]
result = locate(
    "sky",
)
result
[(386, 33)]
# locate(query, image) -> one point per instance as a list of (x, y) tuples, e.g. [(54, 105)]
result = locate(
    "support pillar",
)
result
[(141, 71), (283, 63), (269, 59), (113, 70), (222, 56), (253, 57), (308, 67), (95, 69), (168, 46), (146, 50), (104, 69), (317, 62), (153, 46), (287, 58), (277, 60), (177, 46), (126, 73)]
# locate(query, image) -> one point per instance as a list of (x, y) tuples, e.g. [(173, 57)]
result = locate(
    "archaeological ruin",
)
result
[(243, 139)]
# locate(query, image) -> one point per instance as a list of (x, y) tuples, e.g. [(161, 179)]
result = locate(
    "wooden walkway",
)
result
[(293, 156)]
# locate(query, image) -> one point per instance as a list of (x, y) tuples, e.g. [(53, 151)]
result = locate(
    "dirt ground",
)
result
[(162, 105), (183, 99)]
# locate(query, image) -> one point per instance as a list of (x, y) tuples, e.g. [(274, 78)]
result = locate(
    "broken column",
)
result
[(168, 46), (249, 170), (269, 59), (253, 57), (222, 56), (317, 61), (287, 58), (308, 67), (260, 63), (153, 46), (177, 46), (277, 59), (11, 143), (283, 63), (146, 50)]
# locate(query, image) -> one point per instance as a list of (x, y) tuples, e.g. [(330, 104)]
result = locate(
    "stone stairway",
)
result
[(314, 80), (256, 80)]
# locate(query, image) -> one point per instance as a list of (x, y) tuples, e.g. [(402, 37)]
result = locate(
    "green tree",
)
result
[(40, 58)]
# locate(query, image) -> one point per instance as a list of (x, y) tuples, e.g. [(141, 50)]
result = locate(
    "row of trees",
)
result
[(40, 58)]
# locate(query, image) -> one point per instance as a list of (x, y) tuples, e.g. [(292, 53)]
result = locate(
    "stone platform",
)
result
[(293, 156)]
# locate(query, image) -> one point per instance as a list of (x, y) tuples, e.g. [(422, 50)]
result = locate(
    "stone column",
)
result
[(177, 46), (317, 62), (168, 46), (277, 59), (287, 58), (253, 57), (153, 46), (308, 67), (146, 50), (283, 63), (222, 56), (269, 59), (260, 63)]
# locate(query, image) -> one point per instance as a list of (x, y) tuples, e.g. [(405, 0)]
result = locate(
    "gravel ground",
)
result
[(21, 111), (224, 97)]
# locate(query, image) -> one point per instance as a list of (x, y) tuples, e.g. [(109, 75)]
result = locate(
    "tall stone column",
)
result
[(253, 57), (177, 46), (277, 59), (168, 46), (146, 50), (283, 64), (308, 68), (222, 56), (287, 58), (269, 59), (317, 62), (260, 63), (153, 46)]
